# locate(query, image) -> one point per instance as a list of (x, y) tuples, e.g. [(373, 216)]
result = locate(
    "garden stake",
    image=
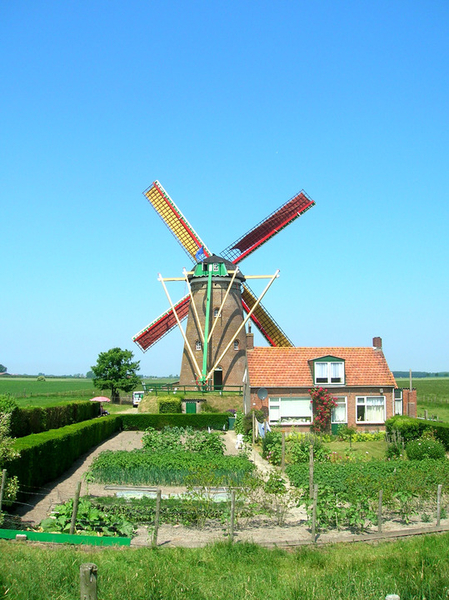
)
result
[(2, 489), (88, 581), (75, 507), (283, 452), (311, 471), (379, 513), (156, 519), (315, 500), (231, 531), (439, 504)]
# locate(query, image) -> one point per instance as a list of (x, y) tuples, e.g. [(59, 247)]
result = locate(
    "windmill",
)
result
[(217, 293)]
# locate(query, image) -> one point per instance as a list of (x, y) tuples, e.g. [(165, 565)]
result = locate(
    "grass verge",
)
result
[(413, 569)]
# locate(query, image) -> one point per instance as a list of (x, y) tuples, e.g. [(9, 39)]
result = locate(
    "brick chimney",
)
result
[(377, 343), (249, 339)]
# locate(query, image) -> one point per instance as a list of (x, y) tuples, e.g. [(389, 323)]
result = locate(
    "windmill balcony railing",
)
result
[(175, 388)]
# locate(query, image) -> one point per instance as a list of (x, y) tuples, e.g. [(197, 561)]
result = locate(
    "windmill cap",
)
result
[(229, 266)]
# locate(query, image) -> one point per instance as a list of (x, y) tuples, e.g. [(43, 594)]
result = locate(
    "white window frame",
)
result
[(328, 367), (340, 400), (362, 401), (236, 345), (279, 410), (198, 345)]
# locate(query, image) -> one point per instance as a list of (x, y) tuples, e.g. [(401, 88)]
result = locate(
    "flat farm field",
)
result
[(433, 395)]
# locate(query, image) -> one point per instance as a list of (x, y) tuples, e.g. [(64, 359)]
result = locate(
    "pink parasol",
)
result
[(100, 399)]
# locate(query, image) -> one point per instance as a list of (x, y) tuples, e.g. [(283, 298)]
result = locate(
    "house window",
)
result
[(370, 409), (215, 267), (289, 411), (329, 372), (236, 344), (216, 311), (340, 412), (198, 345), (398, 407)]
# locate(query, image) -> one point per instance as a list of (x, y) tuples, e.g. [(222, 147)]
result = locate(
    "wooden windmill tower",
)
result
[(215, 338)]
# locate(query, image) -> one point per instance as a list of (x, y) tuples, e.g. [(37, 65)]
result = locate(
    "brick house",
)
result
[(359, 379)]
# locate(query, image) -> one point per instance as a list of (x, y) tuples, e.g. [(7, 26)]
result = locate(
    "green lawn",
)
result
[(366, 450), (417, 568)]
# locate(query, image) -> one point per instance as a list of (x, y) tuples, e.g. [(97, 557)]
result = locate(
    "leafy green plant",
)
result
[(425, 447), (90, 519)]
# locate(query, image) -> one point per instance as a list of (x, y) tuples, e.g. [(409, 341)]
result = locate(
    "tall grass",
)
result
[(413, 569)]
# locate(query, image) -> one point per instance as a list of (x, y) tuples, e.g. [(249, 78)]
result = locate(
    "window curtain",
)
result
[(336, 371), (339, 412), (375, 410), (321, 370)]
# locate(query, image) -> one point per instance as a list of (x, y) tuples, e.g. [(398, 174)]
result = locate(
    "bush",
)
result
[(170, 404), (26, 421), (45, 456), (142, 421), (425, 447), (412, 429)]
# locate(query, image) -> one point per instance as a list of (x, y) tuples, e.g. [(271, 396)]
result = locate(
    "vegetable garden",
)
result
[(347, 490)]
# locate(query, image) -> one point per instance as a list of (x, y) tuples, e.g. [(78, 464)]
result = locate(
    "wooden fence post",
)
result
[(311, 471), (75, 507), (379, 513), (2, 489), (156, 519), (315, 501), (231, 529), (283, 452), (88, 581), (439, 504)]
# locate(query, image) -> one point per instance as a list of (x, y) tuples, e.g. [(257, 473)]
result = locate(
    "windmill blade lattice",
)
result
[(175, 221), (159, 328), (263, 320), (268, 228)]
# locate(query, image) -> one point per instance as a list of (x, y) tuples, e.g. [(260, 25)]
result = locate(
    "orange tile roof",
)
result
[(289, 367)]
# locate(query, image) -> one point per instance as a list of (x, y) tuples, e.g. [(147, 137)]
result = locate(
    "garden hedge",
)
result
[(142, 421), (170, 405), (26, 421), (45, 456), (411, 429)]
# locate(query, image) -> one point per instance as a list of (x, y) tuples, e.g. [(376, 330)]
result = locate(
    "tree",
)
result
[(115, 371), (3, 369), (90, 375)]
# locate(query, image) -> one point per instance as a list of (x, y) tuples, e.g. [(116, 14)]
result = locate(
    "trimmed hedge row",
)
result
[(45, 456), (197, 421), (26, 421), (411, 429)]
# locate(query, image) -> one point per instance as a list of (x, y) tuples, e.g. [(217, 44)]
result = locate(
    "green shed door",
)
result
[(190, 408)]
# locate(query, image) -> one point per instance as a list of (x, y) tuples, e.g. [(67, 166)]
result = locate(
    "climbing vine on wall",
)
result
[(323, 402)]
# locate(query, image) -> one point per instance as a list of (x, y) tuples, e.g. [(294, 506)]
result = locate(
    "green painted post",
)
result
[(206, 324)]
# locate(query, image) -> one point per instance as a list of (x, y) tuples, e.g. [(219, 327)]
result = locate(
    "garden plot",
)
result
[(190, 466)]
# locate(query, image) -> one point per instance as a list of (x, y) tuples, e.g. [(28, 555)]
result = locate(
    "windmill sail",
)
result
[(263, 320), (268, 228), (175, 221), (162, 325)]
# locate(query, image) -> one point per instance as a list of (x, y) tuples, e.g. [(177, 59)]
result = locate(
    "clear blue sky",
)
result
[(233, 106)]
